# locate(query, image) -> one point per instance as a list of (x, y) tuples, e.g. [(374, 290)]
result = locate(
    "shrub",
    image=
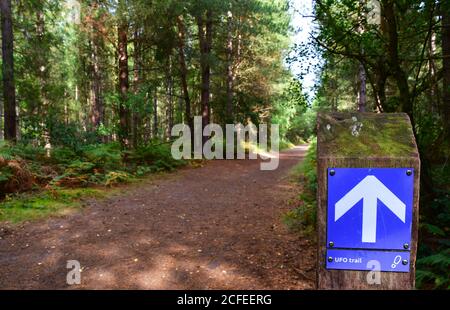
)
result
[(63, 155), (14, 177), (303, 217), (115, 177), (157, 157), (434, 269), (104, 156)]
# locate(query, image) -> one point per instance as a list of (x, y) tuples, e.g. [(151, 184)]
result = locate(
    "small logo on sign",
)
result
[(397, 261)]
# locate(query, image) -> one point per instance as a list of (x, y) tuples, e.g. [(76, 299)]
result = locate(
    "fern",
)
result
[(115, 177), (6, 152), (434, 269), (107, 156), (432, 229), (441, 259)]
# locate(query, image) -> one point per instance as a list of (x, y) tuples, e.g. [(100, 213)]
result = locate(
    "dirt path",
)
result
[(214, 227)]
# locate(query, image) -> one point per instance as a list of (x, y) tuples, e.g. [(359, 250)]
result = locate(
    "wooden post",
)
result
[(365, 140)]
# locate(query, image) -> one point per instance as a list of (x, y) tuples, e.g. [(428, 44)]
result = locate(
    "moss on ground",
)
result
[(31, 206)]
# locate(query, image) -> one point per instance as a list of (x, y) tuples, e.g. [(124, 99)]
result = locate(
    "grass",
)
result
[(31, 206), (285, 145), (34, 185), (302, 218), (57, 201)]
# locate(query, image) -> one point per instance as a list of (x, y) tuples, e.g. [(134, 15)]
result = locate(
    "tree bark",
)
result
[(97, 111), (136, 86), (394, 62), (183, 72), (155, 114), (381, 90), (169, 91), (9, 89), (362, 98), (362, 89), (434, 96), (445, 7), (205, 41), (124, 83), (230, 77)]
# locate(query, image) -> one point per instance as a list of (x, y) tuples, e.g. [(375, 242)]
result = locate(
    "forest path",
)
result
[(214, 227)]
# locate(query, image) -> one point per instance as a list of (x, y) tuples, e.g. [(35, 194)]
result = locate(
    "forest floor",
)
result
[(214, 227)]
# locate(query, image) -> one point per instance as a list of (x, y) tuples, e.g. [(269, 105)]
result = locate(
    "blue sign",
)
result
[(370, 208), (394, 261)]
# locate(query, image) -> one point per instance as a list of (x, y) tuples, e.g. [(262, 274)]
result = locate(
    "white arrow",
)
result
[(370, 189)]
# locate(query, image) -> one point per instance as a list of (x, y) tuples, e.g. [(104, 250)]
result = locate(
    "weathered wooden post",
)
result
[(368, 201)]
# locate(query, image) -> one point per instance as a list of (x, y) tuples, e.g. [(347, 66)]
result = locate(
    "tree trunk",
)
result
[(97, 111), (434, 96), (136, 86), (362, 89), (43, 77), (155, 114), (9, 90), (394, 62), (230, 77), (169, 91), (123, 83), (183, 72), (445, 7), (381, 90), (205, 41), (97, 104), (362, 99)]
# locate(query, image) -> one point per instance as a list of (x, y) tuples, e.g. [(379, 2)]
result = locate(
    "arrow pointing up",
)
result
[(370, 189)]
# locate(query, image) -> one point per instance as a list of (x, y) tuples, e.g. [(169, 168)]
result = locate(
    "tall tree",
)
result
[(124, 83), (362, 102), (204, 25), (183, 71), (390, 16), (96, 42), (229, 71), (9, 89), (445, 8)]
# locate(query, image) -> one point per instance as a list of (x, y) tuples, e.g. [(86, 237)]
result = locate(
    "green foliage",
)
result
[(66, 170), (116, 177), (401, 74), (302, 218), (433, 263), (6, 151), (80, 167), (293, 114), (434, 269), (63, 155), (5, 174), (104, 156), (309, 169), (33, 206), (156, 156), (284, 144), (27, 151), (69, 135)]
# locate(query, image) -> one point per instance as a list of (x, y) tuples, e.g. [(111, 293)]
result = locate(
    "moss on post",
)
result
[(365, 135)]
